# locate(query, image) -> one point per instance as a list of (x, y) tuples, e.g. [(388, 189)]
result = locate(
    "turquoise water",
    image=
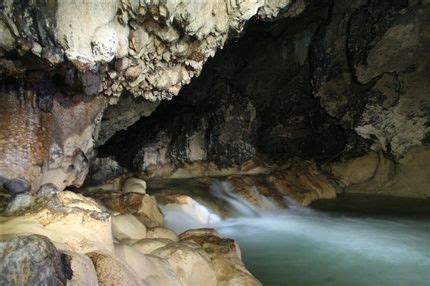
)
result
[(301, 246), (318, 249)]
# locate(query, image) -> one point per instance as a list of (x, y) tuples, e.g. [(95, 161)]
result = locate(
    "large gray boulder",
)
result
[(32, 260)]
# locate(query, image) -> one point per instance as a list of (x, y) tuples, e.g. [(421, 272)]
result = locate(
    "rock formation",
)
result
[(303, 99), (69, 54), (46, 266), (302, 74), (76, 240), (323, 86)]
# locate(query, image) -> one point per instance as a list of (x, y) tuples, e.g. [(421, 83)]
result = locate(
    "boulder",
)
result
[(225, 256), (148, 245), (151, 270), (190, 263), (71, 221), (134, 185), (32, 260), (143, 206), (161, 232), (19, 203), (111, 271), (127, 226), (149, 212), (84, 273)]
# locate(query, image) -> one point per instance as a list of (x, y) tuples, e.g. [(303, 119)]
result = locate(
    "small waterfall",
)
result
[(181, 217), (337, 248), (239, 206), (193, 214)]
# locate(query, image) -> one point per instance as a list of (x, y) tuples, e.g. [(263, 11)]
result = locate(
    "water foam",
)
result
[(301, 246)]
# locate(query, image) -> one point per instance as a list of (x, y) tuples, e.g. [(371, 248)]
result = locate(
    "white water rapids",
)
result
[(301, 246)]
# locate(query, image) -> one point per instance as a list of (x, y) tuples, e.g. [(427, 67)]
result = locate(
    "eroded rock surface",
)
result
[(369, 67), (191, 264), (154, 47), (303, 182), (252, 104), (324, 86), (72, 222), (83, 270), (83, 245), (140, 49), (112, 271), (318, 98), (374, 174), (225, 255), (46, 142)]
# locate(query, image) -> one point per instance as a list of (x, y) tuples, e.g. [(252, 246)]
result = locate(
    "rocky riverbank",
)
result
[(116, 239)]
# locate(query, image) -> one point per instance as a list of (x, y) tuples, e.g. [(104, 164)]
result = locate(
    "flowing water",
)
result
[(301, 246)]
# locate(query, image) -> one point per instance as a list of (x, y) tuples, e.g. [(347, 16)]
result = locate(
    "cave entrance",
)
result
[(252, 103)]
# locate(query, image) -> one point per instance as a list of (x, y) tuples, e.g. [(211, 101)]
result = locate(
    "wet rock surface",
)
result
[(303, 182), (375, 174), (72, 239), (225, 256)]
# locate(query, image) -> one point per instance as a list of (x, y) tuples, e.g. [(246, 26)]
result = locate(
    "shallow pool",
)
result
[(302, 246), (314, 248)]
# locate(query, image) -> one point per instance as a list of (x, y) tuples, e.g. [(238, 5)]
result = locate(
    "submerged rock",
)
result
[(257, 191)]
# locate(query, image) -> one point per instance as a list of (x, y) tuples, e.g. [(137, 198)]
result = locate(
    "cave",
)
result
[(173, 142)]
